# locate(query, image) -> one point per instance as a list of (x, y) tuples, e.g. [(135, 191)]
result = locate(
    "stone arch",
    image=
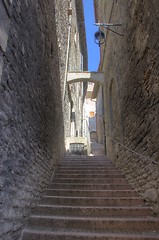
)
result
[(95, 77)]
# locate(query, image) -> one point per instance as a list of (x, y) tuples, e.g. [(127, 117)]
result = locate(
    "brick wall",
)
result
[(31, 118), (132, 103)]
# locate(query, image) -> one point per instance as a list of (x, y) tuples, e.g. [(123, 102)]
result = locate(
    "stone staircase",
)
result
[(89, 199)]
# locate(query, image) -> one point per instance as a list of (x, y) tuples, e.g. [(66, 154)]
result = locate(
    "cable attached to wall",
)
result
[(138, 154)]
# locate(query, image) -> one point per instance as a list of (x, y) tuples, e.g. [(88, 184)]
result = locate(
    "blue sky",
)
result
[(93, 49)]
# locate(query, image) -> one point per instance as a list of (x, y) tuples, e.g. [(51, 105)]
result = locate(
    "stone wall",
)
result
[(5, 14), (75, 65), (62, 31), (31, 118), (78, 62), (130, 64), (100, 116), (72, 46), (35, 101)]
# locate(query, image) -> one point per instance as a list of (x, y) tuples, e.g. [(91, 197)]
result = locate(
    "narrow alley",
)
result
[(79, 146)]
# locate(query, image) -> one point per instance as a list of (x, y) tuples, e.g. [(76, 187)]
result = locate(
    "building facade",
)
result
[(131, 92), (40, 41), (73, 57)]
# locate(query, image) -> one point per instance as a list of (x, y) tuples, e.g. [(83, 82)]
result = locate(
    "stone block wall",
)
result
[(69, 29), (31, 118), (5, 13), (100, 117), (62, 30), (78, 62), (130, 64)]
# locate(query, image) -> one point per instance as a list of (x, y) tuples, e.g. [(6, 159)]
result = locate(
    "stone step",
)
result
[(93, 211), (92, 201), (90, 180), (95, 224), (87, 175), (78, 157), (86, 158), (30, 234), (90, 193), (94, 160), (90, 168), (91, 186), (84, 171), (90, 162), (78, 164)]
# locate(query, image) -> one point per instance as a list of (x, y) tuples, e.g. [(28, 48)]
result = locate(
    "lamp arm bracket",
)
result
[(114, 31), (108, 25)]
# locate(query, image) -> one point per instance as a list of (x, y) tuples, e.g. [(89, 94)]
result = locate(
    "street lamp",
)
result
[(99, 36)]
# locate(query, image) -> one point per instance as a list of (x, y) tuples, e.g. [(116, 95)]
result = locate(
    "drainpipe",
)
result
[(67, 53)]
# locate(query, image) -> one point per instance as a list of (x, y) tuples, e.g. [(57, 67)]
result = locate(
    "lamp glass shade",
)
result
[(99, 37)]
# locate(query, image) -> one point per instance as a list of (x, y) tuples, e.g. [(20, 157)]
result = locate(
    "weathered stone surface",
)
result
[(130, 64), (31, 118), (79, 207), (4, 25), (6, 227), (72, 40), (151, 195)]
